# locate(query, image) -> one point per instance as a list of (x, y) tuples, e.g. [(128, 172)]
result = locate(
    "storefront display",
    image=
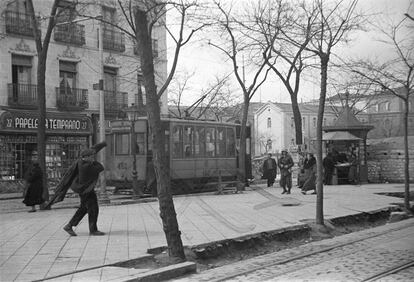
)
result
[(65, 138)]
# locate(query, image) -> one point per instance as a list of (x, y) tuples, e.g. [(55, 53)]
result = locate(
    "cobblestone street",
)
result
[(354, 257)]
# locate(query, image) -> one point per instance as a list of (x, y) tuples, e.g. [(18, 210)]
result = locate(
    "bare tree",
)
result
[(42, 47), (142, 17), (212, 102), (396, 76), (286, 31), (234, 41), (334, 21), (348, 88)]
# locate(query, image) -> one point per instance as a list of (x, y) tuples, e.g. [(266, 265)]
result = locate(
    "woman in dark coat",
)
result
[(329, 168), (34, 188), (310, 171)]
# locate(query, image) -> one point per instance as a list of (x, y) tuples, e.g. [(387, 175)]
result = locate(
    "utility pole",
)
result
[(103, 196)]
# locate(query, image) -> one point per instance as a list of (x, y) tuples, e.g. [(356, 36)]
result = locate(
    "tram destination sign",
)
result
[(27, 121)]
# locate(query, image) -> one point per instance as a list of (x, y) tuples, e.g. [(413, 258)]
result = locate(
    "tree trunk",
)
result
[(41, 132), (167, 210), (242, 150), (407, 157), (319, 179), (297, 118)]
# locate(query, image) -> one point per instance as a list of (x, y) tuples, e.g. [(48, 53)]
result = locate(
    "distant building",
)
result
[(73, 67), (381, 109), (275, 128)]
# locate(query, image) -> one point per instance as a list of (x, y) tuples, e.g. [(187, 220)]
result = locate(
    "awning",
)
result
[(339, 135)]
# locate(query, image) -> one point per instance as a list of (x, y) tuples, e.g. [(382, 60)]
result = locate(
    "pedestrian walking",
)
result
[(329, 168), (352, 174), (285, 164), (34, 184), (301, 170), (82, 177), (310, 171), (270, 170)]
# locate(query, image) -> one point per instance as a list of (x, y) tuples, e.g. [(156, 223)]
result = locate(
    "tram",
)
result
[(200, 153)]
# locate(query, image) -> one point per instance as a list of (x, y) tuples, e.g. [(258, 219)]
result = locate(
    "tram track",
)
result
[(252, 269)]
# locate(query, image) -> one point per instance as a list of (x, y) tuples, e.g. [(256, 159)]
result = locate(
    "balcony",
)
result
[(115, 101), (70, 33), (113, 40), (18, 23), (71, 99), (22, 96)]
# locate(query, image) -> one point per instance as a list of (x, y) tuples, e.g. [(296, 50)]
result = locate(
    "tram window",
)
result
[(221, 142), (188, 141), (230, 142), (176, 137), (122, 143), (199, 142), (140, 143), (210, 142)]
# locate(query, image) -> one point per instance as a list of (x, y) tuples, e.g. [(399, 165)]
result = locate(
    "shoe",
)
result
[(32, 211), (288, 192), (69, 229), (303, 192), (314, 193), (96, 233), (284, 192)]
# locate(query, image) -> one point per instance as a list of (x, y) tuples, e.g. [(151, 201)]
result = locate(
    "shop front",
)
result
[(66, 136)]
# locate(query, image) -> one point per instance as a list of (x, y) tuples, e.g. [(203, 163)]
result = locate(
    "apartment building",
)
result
[(73, 66)]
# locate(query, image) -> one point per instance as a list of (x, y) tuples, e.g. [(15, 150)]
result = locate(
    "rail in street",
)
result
[(384, 253)]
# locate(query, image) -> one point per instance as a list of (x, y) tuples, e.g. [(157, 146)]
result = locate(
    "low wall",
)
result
[(386, 160)]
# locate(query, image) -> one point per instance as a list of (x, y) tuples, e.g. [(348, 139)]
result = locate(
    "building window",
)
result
[(269, 122), (387, 106), (269, 145), (292, 122), (155, 48), (110, 77), (67, 77), (314, 122), (122, 143), (140, 143), (303, 123)]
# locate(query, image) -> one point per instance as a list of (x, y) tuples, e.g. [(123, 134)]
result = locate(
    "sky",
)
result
[(206, 62)]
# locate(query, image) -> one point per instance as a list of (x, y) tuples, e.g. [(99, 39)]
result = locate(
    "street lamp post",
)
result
[(132, 116)]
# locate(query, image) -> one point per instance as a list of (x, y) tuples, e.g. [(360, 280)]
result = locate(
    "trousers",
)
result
[(88, 205)]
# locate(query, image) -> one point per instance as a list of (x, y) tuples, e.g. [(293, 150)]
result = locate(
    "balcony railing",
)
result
[(18, 23), (115, 101), (71, 99), (22, 95), (113, 40), (70, 33)]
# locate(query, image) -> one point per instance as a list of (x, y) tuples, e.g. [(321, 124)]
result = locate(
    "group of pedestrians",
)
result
[(285, 164), (307, 171)]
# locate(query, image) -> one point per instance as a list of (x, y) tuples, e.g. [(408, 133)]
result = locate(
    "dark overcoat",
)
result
[(71, 179), (34, 188)]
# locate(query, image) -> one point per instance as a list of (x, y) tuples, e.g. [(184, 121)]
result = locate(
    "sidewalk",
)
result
[(34, 246)]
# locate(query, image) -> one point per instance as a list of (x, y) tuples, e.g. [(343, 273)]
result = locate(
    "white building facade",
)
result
[(275, 127)]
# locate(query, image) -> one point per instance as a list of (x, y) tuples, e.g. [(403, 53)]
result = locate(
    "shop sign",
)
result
[(25, 121)]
